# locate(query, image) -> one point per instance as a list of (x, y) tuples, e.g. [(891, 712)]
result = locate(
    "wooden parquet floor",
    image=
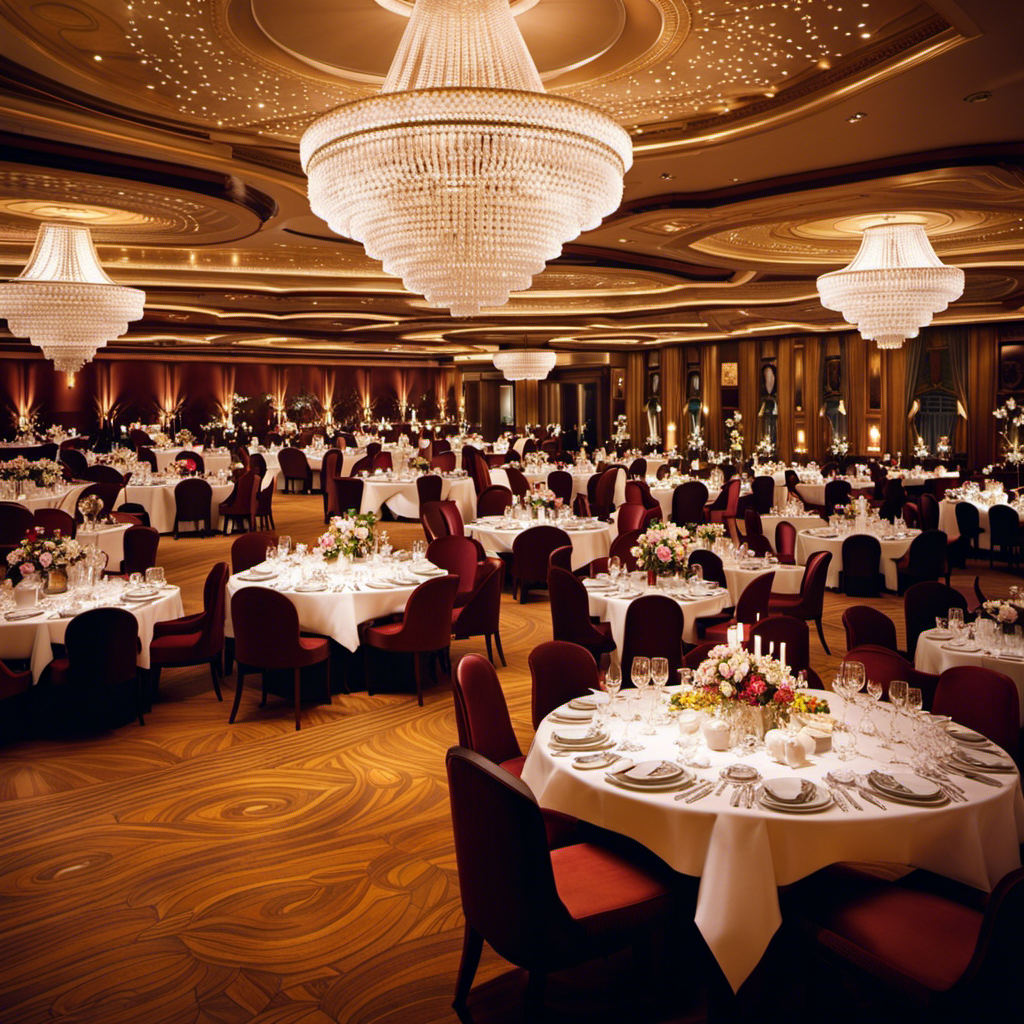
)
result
[(194, 871)]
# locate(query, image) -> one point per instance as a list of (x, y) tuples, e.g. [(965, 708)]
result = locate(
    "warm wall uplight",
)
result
[(874, 439), (670, 435), (801, 441)]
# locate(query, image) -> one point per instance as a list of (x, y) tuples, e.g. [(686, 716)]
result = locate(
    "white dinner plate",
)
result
[(983, 761), (379, 585), (437, 571), (905, 787), (568, 715), (779, 795), (22, 613), (578, 737), (143, 594), (262, 578), (685, 780), (652, 773), (310, 588), (964, 735)]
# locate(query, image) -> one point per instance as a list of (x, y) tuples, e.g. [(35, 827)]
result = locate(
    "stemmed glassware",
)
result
[(867, 726), (640, 673), (614, 568), (659, 676), (612, 685), (898, 699)]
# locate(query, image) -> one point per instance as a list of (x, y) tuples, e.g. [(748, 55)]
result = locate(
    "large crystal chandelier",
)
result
[(525, 363), (894, 285), (464, 177), (63, 300)]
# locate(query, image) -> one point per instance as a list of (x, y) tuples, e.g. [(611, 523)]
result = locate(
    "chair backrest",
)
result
[(631, 517), (532, 548), (883, 665), (144, 454), (441, 445), (710, 565), (688, 501), (103, 475), (1003, 525), (78, 463), (622, 548), (983, 700), (517, 482), (922, 603), (249, 549), (560, 482), (605, 494), (348, 493), (696, 656), (570, 607), (137, 437), (867, 625), (837, 492), (441, 519), (194, 459), (363, 465), (140, 547), (493, 500), (193, 496), (752, 523), (294, 464), (560, 672), (785, 540), (812, 586), (763, 490), (640, 491), (753, 602), (663, 471), (561, 558), (862, 555), (106, 492), (266, 628), (427, 622), (49, 520), (481, 713), (784, 629), (637, 469), (653, 629), (458, 556), (428, 488), (102, 647), (926, 558), (214, 599), (383, 461), (444, 461), (929, 512)]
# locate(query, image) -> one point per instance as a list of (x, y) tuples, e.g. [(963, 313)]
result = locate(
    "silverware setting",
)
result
[(702, 790)]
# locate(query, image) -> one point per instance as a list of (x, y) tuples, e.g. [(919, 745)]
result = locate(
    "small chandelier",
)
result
[(464, 177), (525, 363), (63, 301), (894, 285)]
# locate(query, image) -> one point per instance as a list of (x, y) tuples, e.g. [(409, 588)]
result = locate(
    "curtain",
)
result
[(750, 392), (711, 396), (636, 386), (673, 393), (915, 352), (845, 390), (959, 346), (855, 384)]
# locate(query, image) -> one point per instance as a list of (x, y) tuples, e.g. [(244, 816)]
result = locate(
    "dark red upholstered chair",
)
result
[(862, 559), (456, 555), (639, 492), (384, 462), (444, 461), (193, 499), (763, 491), (983, 700), (710, 564), (923, 603), (663, 471), (77, 463), (481, 714), (604, 494), (637, 469), (621, 548), (140, 548), (530, 553), (50, 520), (1004, 534), (924, 561), (968, 524), (249, 549), (143, 454), (240, 507), (785, 543), (560, 672), (752, 524), (480, 615), (759, 547), (517, 482), (194, 639), (776, 630), (493, 500), (295, 470), (696, 656), (911, 515), (752, 605), (631, 517), (104, 475), (197, 462), (929, 954), (424, 629), (810, 602), (330, 467), (560, 482), (137, 513), (653, 629), (561, 558), (101, 650), (928, 509), (570, 615), (363, 465), (481, 472), (106, 492), (884, 665), (867, 625), (726, 504), (553, 908), (267, 637), (137, 437), (13, 684), (441, 519), (688, 501), (265, 500), (348, 493)]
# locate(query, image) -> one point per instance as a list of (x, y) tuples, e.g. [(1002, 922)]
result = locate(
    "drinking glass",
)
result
[(612, 685), (915, 699), (284, 546), (689, 734), (898, 699), (843, 741), (135, 579), (659, 676), (628, 744), (867, 725), (272, 553), (614, 568)]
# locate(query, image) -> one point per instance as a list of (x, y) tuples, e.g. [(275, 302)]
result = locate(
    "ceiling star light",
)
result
[(894, 286), (464, 177), (63, 301), (525, 363)]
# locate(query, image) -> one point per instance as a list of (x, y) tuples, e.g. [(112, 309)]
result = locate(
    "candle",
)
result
[(771, 649), (782, 652), (757, 646)]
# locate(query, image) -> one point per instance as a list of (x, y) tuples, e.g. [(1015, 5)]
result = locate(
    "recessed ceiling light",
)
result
[(96, 56), (668, 176), (978, 97), (859, 116)]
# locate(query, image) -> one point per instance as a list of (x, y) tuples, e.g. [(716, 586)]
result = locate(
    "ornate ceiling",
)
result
[(767, 133)]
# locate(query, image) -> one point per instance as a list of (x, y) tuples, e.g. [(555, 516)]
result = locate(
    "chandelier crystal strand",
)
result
[(463, 177), (525, 363), (64, 302), (894, 286)]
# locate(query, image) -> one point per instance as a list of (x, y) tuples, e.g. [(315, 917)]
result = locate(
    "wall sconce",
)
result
[(874, 439), (670, 435), (801, 441)]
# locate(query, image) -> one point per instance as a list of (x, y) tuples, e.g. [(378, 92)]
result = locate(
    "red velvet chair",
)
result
[(295, 470), (265, 501), (621, 548), (570, 615), (653, 629), (441, 519), (560, 672), (480, 615), (99, 474), (49, 520), (424, 629), (710, 564), (106, 492), (242, 505), (194, 639), (12, 684), (560, 482), (631, 517), (493, 500), (140, 548), (267, 637), (553, 908), (517, 482), (363, 465), (752, 605), (193, 500), (444, 461), (776, 630), (884, 665), (785, 543), (752, 524), (639, 492), (530, 553), (195, 460), (923, 603), (726, 504), (77, 463), (983, 700), (924, 561), (688, 501), (604, 495), (481, 714), (696, 656), (384, 462), (930, 955), (637, 469), (862, 559), (810, 602), (867, 625), (561, 558), (249, 549), (763, 491), (428, 488), (348, 494), (457, 555)]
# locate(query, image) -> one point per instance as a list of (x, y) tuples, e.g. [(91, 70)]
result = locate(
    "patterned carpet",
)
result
[(193, 871)]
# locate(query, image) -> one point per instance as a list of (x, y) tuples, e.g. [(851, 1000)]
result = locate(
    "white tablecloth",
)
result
[(213, 461), (742, 855), (587, 544), (769, 523), (814, 494), (402, 497), (613, 610), (158, 501), (60, 497), (107, 538), (935, 656), (787, 579), (31, 638), (947, 521), (808, 542)]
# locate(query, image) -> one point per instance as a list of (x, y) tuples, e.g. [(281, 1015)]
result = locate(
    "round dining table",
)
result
[(948, 523), (62, 496), (740, 574), (590, 539), (158, 501), (107, 537), (213, 460), (401, 496), (826, 538), (743, 854), (800, 521)]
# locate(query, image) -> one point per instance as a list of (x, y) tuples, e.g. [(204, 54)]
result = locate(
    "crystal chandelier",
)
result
[(63, 300), (464, 177), (894, 285), (525, 363)]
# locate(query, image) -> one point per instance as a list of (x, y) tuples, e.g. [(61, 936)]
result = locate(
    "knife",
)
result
[(974, 777), (838, 798)]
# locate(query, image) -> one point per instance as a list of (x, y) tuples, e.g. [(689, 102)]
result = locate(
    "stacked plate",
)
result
[(904, 788), (310, 588), (380, 585), (581, 738), (588, 703), (256, 573), (433, 570), (569, 715), (964, 735), (977, 760), (791, 795), (141, 594), (651, 776)]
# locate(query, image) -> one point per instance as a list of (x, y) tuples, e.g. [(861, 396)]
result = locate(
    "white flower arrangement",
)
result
[(663, 548), (350, 535), (1002, 611), (921, 450), (839, 445)]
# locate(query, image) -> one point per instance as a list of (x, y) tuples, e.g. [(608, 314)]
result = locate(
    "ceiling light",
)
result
[(525, 363), (463, 176), (894, 285), (978, 97), (63, 300), (859, 116)]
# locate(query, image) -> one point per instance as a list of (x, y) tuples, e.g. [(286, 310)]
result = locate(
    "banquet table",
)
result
[(742, 855), (158, 500), (799, 521), (31, 639), (61, 497), (589, 541), (813, 540), (611, 606), (213, 461), (814, 494), (108, 538), (314, 456), (353, 593), (948, 525), (403, 499), (935, 653), (739, 575)]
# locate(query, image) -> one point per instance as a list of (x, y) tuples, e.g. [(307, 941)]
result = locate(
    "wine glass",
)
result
[(612, 685), (614, 568), (659, 676), (867, 726), (898, 699), (627, 744), (640, 673), (284, 546)]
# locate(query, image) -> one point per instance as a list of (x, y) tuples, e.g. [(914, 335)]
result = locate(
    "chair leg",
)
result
[(472, 946), (821, 636), (501, 653), (139, 685), (535, 994), (238, 692), (298, 680), (263, 702), (214, 672), (366, 671), (490, 653), (229, 654), (417, 673)]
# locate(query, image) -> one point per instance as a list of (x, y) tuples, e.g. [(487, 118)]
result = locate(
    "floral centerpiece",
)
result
[(56, 433), (734, 425), (944, 449), (695, 442), (540, 496), (350, 535), (764, 449), (161, 440), (662, 549), (420, 464), (1007, 613), (41, 472), (185, 438), (839, 445), (921, 450), (621, 433), (707, 533), (48, 555), (848, 512), (183, 467)]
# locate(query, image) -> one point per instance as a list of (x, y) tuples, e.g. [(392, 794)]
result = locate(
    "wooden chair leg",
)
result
[(416, 671), (239, 681), (366, 671), (490, 653), (501, 653), (229, 654), (472, 946), (298, 681), (214, 671), (821, 636)]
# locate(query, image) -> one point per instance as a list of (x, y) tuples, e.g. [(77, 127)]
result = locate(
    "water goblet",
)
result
[(659, 676), (640, 673), (612, 685), (284, 546), (867, 725)]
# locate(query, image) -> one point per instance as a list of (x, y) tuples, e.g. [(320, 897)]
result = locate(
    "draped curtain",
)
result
[(750, 392), (636, 385), (855, 385), (711, 397), (915, 352), (673, 393), (959, 346)]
